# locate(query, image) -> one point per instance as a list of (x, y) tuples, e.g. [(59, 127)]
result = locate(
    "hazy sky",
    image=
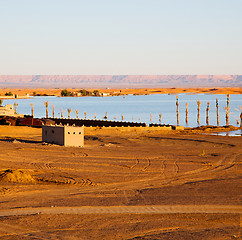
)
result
[(120, 36)]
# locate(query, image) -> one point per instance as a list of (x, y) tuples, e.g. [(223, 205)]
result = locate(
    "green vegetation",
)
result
[(82, 92), (8, 94), (96, 93), (85, 92), (65, 93)]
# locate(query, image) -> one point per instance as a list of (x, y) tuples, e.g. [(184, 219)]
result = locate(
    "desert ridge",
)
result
[(113, 81)]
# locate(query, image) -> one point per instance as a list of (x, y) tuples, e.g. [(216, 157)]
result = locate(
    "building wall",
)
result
[(7, 110), (74, 136), (63, 135), (53, 134)]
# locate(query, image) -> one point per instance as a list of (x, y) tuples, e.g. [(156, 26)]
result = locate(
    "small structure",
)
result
[(105, 94), (8, 110), (70, 136)]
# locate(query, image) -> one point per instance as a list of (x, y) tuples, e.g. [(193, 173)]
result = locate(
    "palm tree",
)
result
[(61, 112), (53, 107), (227, 111), (46, 105), (217, 106), (32, 109), (15, 107), (69, 112), (106, 115), (198, 112), (240, 116), (186, 113), (177, 110), (207, 111), (76, 113)]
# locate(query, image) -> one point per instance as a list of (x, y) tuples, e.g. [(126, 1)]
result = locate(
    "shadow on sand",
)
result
[(18, 140)]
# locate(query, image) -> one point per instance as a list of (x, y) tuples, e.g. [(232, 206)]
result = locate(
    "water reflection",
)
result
[(229, 134)]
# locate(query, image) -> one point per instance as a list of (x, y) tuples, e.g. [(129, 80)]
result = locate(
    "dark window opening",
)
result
[(74, 133), (53, 131), (80, 133), (69, 133)]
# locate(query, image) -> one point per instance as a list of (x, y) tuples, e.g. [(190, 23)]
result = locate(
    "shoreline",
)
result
[(120, 91)]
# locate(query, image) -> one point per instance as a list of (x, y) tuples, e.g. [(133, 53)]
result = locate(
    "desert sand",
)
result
[(125, 91), (126, 183)]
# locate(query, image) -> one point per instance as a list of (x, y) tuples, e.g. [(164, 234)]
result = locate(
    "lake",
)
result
[(139, 108)]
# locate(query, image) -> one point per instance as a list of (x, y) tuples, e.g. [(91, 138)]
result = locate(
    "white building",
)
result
[(105, 94), (9, 111)]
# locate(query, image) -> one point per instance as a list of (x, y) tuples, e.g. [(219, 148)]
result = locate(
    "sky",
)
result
[(89, 37)]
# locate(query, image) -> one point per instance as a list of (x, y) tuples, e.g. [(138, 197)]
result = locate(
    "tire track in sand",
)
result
[(148, 209)]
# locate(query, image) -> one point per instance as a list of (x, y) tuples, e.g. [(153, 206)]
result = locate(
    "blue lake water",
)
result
[(136, 108), (230, 133)]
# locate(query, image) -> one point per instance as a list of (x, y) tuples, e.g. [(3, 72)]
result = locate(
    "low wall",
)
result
[(162, 127), (96, 123)]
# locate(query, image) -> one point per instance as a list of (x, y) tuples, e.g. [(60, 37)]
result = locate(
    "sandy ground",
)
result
[(139, 91), (136, 183)]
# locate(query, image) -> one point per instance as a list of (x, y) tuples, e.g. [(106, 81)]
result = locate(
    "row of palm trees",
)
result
[(77, 113), (69, 110), (53, 111)]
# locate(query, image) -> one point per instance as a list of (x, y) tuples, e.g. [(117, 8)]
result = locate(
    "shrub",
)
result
[(85, 92), (65, 93), (96, 93), (8, 94)]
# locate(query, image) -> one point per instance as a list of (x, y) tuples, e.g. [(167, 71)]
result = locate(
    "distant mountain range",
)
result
[(131, 81)]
